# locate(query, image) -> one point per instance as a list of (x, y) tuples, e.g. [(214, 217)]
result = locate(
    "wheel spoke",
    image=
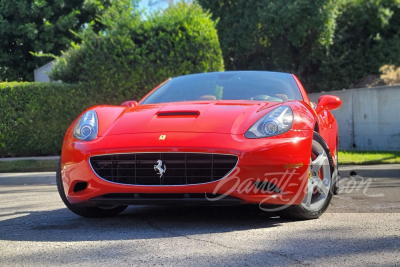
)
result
[(318, 162), (321, 187), (310, 191)]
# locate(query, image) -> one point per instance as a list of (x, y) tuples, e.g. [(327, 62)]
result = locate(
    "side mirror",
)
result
[(328, 102), (313, 105), (130, 103)]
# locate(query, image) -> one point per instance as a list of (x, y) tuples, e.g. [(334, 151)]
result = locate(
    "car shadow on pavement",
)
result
[(137, 222)]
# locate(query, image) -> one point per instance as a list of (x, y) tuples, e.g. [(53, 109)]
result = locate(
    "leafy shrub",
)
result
[(390, 75), (35, 116), (134, 54)]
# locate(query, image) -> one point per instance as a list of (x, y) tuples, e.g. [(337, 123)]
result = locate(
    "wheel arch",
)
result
[(316, 126)]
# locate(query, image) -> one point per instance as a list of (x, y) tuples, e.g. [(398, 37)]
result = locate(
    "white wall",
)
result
[(41, 74), (369, 119)]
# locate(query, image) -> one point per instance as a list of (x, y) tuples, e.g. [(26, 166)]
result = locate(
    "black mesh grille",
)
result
[(180, 168)]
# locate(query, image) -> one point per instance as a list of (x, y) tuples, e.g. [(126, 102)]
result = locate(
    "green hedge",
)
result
[(35, 116), (134, 54)]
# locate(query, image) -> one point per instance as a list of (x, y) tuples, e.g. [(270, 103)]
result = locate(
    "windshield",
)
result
[(235, 85)]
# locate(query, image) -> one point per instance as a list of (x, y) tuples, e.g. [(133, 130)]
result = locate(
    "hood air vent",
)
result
[(178, 113)]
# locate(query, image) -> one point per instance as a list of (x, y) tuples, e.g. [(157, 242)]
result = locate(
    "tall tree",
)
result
[(367, 37), (274, 34), (40, 26), (330, 44)]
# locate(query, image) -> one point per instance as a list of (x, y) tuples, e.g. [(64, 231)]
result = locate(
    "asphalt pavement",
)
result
[(361, 228)]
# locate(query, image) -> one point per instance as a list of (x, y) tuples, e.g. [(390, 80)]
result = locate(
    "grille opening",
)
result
[(80, 186), (267, 187), (178, 168)]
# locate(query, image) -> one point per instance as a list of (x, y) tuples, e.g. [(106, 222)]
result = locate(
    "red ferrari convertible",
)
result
[(223, 138)]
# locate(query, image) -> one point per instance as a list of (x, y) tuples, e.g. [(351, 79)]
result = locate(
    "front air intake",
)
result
[(80, 186)]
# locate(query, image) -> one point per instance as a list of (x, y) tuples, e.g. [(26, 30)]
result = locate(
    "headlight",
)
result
[(276, 122), (86, 127)]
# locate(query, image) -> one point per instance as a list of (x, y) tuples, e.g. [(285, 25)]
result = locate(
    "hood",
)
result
[(208, 117)]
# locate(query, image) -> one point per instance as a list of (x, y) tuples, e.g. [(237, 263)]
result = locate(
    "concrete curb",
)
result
[(371, 171), (368, 171), (31, 158), (28, 178)]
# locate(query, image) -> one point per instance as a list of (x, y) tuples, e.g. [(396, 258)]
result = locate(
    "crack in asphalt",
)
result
[(158, 228)]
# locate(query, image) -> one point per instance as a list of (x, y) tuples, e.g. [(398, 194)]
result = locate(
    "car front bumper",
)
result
[(281, 160)]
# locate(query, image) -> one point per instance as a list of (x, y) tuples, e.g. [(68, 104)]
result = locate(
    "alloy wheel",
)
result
[(319, 180)]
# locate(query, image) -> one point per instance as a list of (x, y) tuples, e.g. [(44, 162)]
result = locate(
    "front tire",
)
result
[(89, 212), (319, 185), (336, 176)]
